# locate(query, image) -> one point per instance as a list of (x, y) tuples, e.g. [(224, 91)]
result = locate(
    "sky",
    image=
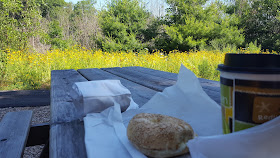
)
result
[(157, 7), (98, 5)]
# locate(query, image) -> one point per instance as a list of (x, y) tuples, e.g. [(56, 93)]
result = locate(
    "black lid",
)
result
[(251, 63)]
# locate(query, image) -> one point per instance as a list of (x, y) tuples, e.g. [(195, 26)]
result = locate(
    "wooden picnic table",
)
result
[(67, 129)]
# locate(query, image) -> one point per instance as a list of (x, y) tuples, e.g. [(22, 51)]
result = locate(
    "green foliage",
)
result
[(253, 47), (49, 8), (121, 24), (128, 43), (28, 82), (204, 69), (260, 21), (55, 31), (152, 29), (126, 25), (192, 26), (180, 9), (55, 37), (84, 7), (84, 24), (18, 22), (3, 62)]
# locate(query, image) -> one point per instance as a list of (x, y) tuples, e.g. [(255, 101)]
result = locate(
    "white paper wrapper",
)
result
[(105, 135), (185, 100), (96, 96), (105, 132)]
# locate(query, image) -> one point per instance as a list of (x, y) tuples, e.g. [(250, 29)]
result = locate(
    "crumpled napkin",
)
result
[(105, 135), (185, 100), (261, 141)]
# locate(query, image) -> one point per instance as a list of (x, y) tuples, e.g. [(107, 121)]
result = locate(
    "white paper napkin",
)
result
[(185, 100), (105, 132), (105, 135), (261, 141)]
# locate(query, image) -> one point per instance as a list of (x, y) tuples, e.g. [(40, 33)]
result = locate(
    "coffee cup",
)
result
[(250, 90)]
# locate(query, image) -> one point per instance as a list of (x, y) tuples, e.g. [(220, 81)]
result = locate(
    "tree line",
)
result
[(127, 25)]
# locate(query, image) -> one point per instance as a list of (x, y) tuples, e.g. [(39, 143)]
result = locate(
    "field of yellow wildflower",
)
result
[(23, 70)]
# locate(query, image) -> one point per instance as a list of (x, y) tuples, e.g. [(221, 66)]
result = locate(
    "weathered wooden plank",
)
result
[(213, 95), (14, 129), (140, 94), (212, 88), (153, 72), (210, 84), (170, 76), (69, 142), (215, 86), (62, 107), (24, 98), (154, 81), (66, 132), (159, 80)]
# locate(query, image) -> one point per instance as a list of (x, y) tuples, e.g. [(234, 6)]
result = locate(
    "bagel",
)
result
[(157, 135)]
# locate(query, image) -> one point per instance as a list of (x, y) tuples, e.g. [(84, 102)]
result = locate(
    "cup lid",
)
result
[(251, 63)]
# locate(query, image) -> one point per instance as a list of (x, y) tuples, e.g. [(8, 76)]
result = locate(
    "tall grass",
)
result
[(23, 70)]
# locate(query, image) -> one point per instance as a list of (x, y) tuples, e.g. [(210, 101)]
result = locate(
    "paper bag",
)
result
[(96, 96)]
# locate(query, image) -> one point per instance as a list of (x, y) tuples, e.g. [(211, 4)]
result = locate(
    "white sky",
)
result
[(157, 7)]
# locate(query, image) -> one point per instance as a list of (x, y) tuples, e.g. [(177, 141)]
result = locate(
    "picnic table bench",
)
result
[(16, 133), (67, 129), (14, 130)]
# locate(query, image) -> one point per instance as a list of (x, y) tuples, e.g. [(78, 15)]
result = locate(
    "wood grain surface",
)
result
[(159, 80), (140, 93), (66, 131), (14, 129)]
